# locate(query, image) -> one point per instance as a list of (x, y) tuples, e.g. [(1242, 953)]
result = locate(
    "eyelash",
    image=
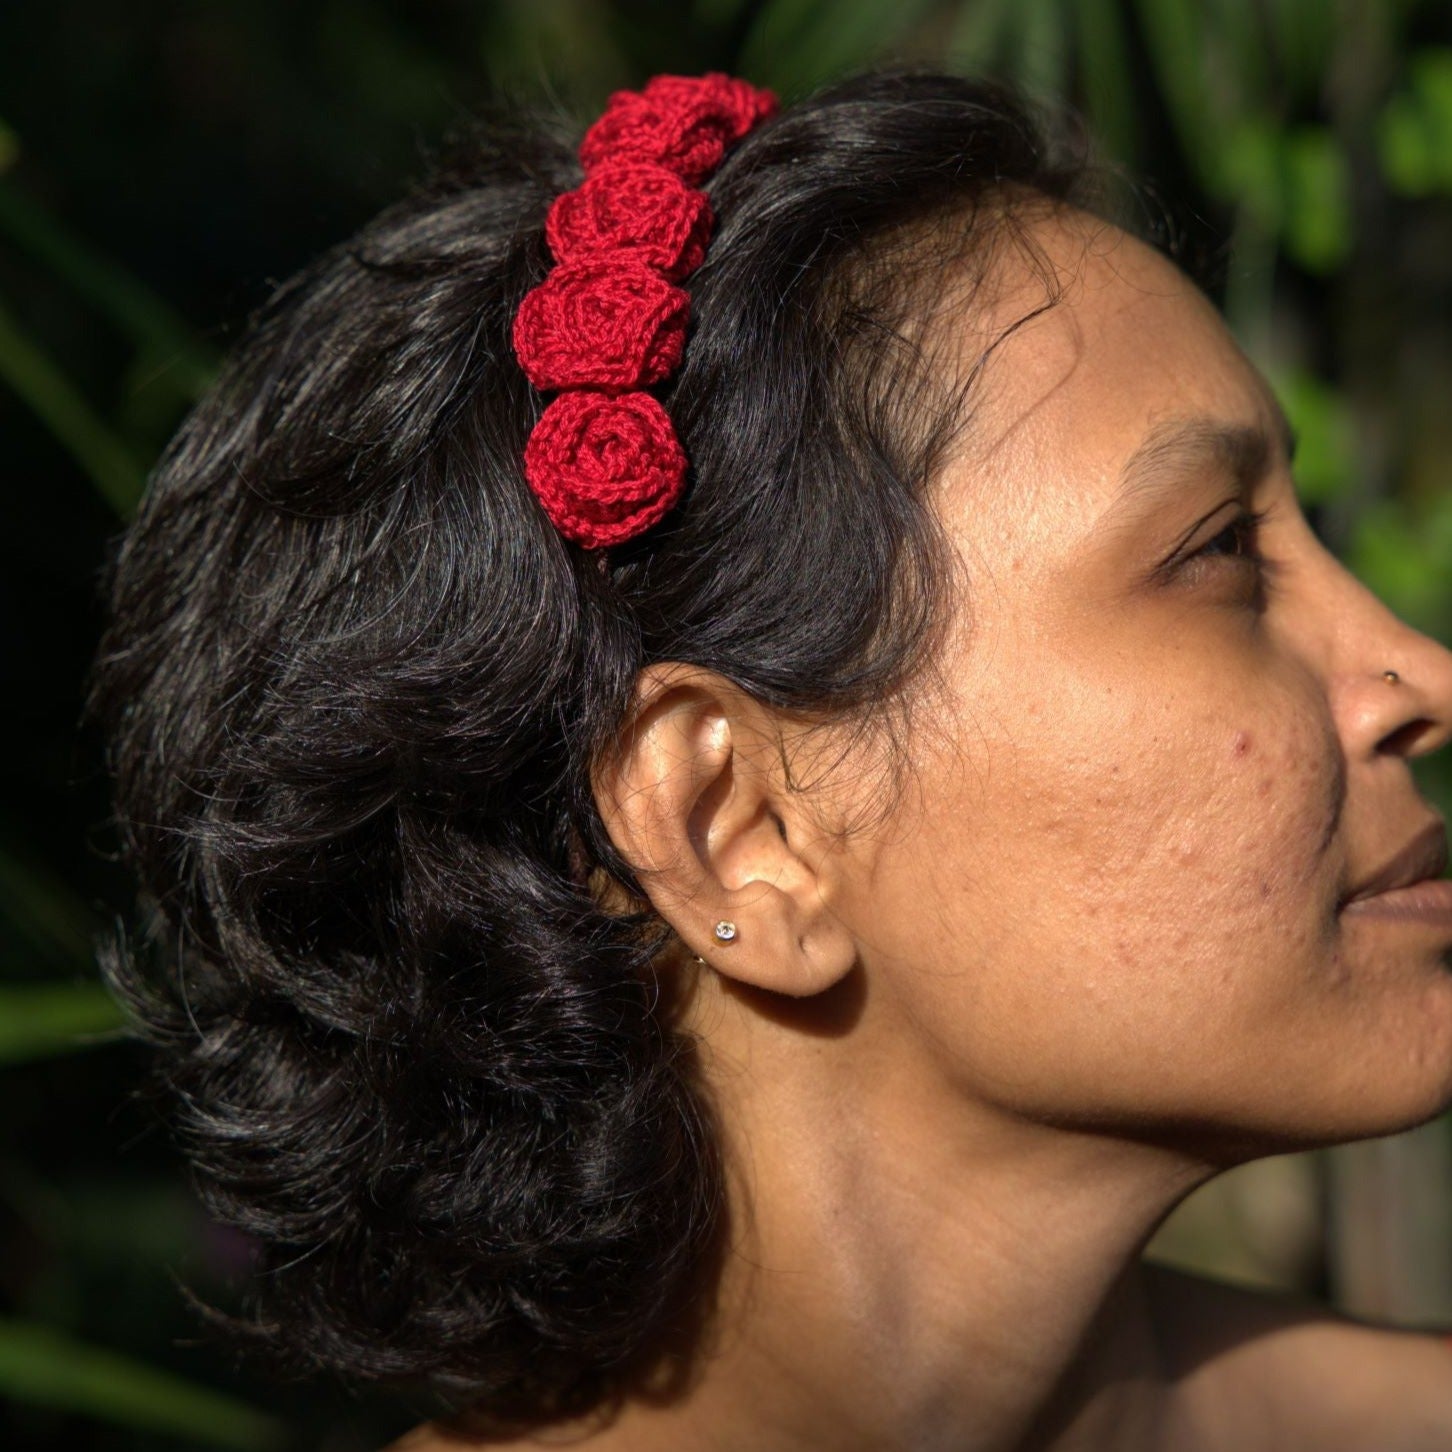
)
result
[(1245, 528), (1243, 536)]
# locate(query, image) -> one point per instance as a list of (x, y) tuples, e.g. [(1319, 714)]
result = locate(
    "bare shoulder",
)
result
[(428, 1437), (438, 1437), (1301, 1374), (431, 1437)]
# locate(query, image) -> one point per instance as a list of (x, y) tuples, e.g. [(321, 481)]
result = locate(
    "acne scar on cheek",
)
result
[(1241, 745)]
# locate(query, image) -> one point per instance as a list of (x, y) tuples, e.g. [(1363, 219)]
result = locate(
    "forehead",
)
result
[(1069, 392)]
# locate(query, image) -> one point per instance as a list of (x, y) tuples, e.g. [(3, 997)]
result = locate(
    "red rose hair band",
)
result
[(609, 320)]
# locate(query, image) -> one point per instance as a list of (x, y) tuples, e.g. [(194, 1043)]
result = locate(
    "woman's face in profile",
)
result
[(1115, 898)]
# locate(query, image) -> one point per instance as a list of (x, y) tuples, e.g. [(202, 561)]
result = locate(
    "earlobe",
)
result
[(694, 796)]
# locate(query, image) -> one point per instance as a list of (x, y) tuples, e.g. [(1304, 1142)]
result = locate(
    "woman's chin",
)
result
[(1393, 1072)]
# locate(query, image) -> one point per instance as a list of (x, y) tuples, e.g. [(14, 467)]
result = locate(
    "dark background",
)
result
[(162, 165)]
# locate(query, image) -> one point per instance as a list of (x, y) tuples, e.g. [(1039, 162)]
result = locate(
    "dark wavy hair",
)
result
[(354, 683)]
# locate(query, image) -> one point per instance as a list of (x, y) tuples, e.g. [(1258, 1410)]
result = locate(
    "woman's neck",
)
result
[(910, 1270)]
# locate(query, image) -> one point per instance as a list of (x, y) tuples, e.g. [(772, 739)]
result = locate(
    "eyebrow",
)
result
[(1179, 446)]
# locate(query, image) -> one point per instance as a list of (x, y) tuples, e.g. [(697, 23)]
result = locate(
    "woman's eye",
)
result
[(1239, 545), (1240, 539)]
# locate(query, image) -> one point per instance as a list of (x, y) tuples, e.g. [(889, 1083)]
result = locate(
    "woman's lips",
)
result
[(1410, 887), (1422, 861), (1429, 901)]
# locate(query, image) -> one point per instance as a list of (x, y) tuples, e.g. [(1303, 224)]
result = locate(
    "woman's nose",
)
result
[(1395, 682), (1406, 703)]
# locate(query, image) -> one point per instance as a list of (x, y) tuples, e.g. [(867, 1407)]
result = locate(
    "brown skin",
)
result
[(975, 1040)]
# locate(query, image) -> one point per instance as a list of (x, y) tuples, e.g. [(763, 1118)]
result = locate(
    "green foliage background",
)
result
[(162, 163)]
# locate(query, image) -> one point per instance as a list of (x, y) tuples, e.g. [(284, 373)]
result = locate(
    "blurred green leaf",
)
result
[(1431, 78), (1405, 148), (1317, 220), (1303, 33), (793, 45), (1173, 32), (104, 458), (114, 292), (1040, 60), (388, 69), (717, 13), (45, 911), (1105, 67), (90, 1220), (567, 47), (1402, 555), (1239, 38), (39, 1021), (1322, 422), (1414, 131), (147, 409), (44, 1366), (978, 34), (1250, 172)]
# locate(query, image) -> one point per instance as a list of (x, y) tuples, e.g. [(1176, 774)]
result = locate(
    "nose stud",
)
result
[(1390, 677)]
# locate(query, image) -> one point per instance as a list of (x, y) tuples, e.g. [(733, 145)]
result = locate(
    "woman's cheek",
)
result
[(1183, 857)]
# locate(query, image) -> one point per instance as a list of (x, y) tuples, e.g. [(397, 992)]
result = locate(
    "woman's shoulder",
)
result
[(431, 1437), (425, 1438), (1260, 1369), (1289, 1372), (434, 1437), (439, 1437)]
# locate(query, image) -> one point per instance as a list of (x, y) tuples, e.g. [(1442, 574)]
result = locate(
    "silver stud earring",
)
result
[(1390, 677), (725, 932)]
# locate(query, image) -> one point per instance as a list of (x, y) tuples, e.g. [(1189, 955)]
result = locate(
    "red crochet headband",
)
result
[(608, 321)]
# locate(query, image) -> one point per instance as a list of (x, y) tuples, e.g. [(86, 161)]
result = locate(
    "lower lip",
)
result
[(1424, 902)]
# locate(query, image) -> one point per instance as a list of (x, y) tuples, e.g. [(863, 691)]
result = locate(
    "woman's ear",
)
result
[(695, 797)]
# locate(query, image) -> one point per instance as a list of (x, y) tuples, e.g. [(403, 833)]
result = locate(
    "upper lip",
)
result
[(1425, 856)]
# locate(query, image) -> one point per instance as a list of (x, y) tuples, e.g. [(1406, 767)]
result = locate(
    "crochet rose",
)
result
[(604, 466), (683, 123), (636, 211), (741, 104), (609, 324), (607, 321)]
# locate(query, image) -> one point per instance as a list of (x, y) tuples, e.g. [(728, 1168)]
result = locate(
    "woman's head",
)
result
[(1155, 757), (424, 796), (1172, 724)]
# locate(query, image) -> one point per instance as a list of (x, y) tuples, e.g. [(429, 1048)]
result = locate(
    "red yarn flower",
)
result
[(604, 466), (604, 459), (684, 123), (635, 210), (609, 324), (741, 104)]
